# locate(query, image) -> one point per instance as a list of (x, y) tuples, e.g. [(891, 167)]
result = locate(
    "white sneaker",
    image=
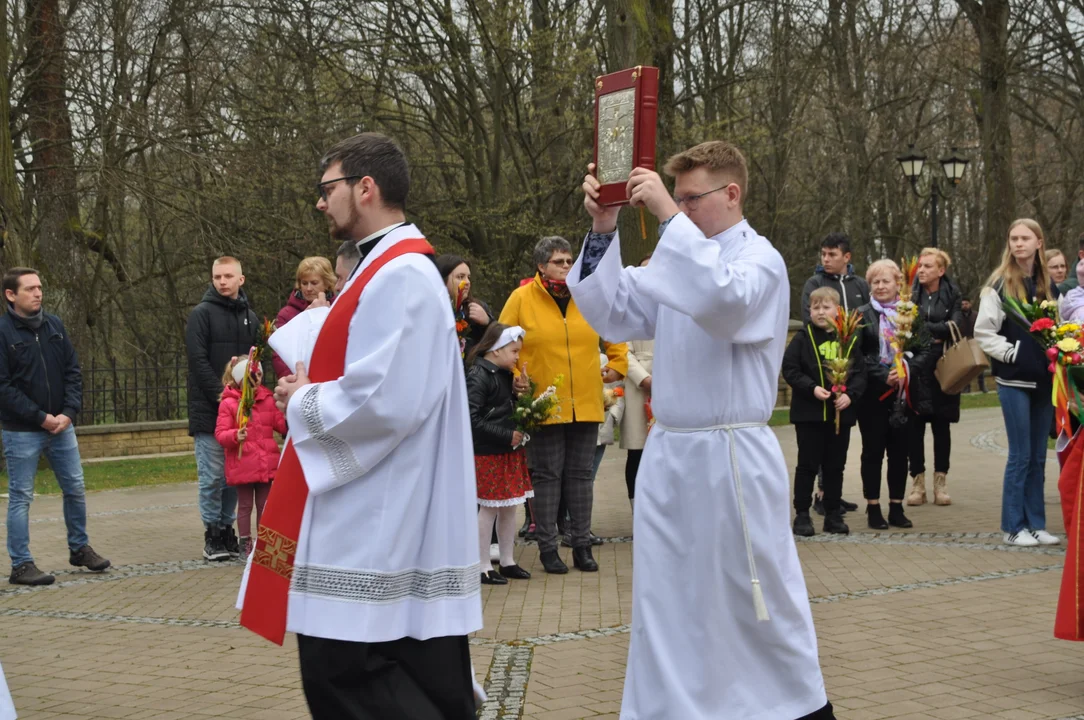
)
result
[(1046, 538), (494, 553), (1024, 538)]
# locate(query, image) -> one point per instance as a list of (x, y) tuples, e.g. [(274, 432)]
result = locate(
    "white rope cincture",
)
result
[(759, 605)]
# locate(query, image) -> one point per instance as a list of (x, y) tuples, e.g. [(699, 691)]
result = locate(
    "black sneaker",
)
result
[(28, 574), (230, 541), (847, 506), (803, 525), (214, 550), (818, 504), (833, 524), (86, 557)]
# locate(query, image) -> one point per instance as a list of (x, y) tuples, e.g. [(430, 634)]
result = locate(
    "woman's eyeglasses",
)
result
[(563, 262)]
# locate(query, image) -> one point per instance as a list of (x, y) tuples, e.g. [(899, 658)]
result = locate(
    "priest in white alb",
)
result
[(721, 624), (368, 547)]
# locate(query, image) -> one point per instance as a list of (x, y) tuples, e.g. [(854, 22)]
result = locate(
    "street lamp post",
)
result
[(953, 167)]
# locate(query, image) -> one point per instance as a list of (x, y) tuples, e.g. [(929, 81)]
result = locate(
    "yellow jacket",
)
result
[(562, 345)]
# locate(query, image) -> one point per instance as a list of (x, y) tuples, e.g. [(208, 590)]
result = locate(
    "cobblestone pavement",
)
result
[(942, 621)]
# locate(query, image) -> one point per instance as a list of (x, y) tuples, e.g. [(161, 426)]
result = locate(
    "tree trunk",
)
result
[(990, 19)]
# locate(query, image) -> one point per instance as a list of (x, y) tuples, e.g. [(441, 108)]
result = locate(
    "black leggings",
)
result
[(942, 443), (632, 466)]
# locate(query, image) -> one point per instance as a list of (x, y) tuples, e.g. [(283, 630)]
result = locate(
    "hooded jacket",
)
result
[(218, 329), (260, 453), (853, 290)]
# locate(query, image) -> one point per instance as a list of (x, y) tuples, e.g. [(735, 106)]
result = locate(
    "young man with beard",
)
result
[(41, 393), (368, 548), (219, 328), (721, 625)]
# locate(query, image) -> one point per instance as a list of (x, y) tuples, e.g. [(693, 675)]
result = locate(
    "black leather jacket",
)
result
[(877, 374), (491, 401), (935, 312)]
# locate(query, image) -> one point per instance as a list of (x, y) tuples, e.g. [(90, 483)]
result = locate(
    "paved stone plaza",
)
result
[(942, 621)]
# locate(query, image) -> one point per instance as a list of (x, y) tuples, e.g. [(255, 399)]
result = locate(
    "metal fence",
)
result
[(140, 390)]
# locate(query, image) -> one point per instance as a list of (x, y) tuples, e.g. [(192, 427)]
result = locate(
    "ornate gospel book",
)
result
[(626, 107)]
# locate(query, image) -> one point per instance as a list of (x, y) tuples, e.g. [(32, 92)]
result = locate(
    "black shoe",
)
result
[(566, 540), (28, 574), (596, 540), (818, 504), (214, 549), (896, 518), (514, 572), (874, 518), (552, 563), (848, 506), (833, 523), (803, 525), (86, 557), (230, 541), (582, 559), (492, 578), (526, 527)]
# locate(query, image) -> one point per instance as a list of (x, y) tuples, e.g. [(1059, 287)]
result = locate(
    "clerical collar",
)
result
[(366, 245)]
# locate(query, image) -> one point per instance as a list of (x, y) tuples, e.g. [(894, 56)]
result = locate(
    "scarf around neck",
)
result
[(556, 288), (887, 313), (33, 322)]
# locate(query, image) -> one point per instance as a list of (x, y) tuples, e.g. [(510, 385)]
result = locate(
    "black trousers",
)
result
[(632, 466), (404, 679), (820, 448), (942, 443), (879, 440)]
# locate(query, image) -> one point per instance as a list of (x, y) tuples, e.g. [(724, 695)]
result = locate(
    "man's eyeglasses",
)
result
[(564, 262), (691, 202), (321, 187)]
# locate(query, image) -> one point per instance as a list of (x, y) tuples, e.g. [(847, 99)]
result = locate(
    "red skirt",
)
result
[(503, 479), (1069, 621)]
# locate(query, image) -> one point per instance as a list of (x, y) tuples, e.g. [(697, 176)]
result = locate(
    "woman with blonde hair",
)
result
[(880, 437), (1019, 366), (939, 302), (314, 285), (1057, 266)]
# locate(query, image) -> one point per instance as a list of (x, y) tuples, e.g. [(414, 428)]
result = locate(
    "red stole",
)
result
[(266, 596), (1069, 621)]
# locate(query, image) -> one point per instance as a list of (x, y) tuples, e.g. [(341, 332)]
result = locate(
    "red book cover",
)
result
[(626, 108)]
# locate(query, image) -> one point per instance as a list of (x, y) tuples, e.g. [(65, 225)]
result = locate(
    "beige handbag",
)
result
[(961, 361)]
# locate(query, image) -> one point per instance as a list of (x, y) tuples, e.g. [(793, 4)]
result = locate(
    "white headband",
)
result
[(508, 336), (239, 371)]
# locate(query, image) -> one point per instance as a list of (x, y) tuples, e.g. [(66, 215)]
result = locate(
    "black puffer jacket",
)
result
[(805, 368), (491, 401), (853, 290), (218, 329), (39, 373), (877, 374), (935, 312)]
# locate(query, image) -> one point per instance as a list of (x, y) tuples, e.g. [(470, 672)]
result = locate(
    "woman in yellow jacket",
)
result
[(560, 456)]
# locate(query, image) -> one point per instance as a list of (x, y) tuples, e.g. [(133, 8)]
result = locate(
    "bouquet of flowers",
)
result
[(251, 379), (531, 412), (462, 324), (845, 325)]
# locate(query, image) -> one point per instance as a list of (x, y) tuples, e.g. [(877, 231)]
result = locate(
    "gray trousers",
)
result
[(560, 459)]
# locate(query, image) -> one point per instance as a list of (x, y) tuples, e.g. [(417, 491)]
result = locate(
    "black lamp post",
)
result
[(953, 167)]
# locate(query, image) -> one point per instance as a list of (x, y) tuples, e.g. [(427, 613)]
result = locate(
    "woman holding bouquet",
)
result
[(472, 316), (500, 463), (1019, 365), (939, 302), (878, 413)]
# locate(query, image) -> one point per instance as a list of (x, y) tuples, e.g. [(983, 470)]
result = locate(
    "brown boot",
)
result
[(917, 495), (940, 492)]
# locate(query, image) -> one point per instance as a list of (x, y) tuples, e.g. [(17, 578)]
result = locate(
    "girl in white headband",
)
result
[(500, 462)]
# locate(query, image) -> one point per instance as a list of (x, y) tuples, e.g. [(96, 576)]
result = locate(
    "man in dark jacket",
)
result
[(836, 272), (219, 328), (41, 392)]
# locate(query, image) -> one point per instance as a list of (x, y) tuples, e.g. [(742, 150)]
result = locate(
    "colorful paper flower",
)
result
[(1042, 324), (1069, 345)]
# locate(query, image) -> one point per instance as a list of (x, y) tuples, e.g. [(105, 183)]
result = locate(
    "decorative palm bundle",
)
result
[(903, 337), (251, 379), (846, 326)]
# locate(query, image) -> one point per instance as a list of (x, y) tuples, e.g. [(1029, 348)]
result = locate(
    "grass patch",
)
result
[(120, 474)]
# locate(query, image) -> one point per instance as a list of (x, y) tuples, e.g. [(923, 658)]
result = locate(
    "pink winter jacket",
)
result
[(260, 457)]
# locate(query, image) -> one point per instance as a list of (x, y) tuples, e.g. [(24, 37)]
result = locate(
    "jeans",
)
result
[(22, 450), (1027, 416), (217, 501)]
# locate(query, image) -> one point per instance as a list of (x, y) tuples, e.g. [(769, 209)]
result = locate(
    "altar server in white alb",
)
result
[(7, 707), (371, 525), (721, 625)]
